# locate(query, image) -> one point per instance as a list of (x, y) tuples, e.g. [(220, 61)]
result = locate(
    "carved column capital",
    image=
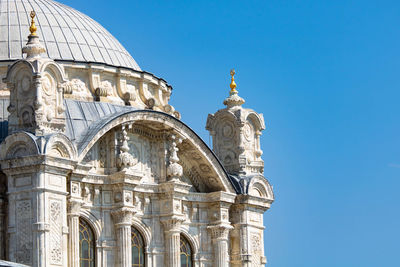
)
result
[(74, 207), (173, 223), (123, 216), (219, 236), (220, 231)]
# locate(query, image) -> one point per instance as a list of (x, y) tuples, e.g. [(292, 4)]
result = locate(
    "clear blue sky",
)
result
[(325, 74)]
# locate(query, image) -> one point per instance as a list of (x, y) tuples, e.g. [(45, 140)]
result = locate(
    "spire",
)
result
[(33, 47), (33, 28), (233, 84), (234, 100)]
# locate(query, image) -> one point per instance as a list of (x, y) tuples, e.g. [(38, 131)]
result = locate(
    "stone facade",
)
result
[(100, 143)]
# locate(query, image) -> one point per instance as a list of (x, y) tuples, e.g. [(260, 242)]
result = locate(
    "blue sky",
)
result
[(325, 76)]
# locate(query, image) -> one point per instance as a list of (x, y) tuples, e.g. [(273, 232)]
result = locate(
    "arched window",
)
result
[(137, 248), (186, 253), (86, 245)]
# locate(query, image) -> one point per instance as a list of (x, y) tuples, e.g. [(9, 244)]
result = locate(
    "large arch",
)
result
[(99, 129)]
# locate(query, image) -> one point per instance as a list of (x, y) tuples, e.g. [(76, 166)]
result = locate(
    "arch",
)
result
[(192, 241), (137, 248), (59, 145), (16, 67), (87, 244), (99, 129), (19, 144), (93, 221), (186, 252), (256, 119), (260, 187), (144, 231), (54, 68), (221, 115)]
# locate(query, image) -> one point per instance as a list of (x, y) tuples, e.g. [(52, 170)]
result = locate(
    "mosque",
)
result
[(97, 169)]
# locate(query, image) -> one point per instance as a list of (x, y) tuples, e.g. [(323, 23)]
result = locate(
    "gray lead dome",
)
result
[(66, 33)]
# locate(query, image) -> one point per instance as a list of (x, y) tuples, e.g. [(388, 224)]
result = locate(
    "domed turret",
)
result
[(236, 134)]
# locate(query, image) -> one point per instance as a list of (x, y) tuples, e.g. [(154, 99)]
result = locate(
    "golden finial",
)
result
[(33, 28), (233, 84)]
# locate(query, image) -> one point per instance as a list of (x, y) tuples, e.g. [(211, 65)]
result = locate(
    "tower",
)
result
[(236, 135), (36, 89), (236, 132)]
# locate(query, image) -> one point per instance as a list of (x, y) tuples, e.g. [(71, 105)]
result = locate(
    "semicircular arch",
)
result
[(19, 144), (93, 222), (173, 124)]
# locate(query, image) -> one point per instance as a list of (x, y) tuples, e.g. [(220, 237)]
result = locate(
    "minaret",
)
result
[(36, 90), (236, 135)]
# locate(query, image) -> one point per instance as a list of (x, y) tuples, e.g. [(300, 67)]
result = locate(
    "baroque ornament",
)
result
[(174, 170), (125, 159)]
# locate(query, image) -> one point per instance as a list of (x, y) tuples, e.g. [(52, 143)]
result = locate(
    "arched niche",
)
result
[(59, 145), (260, 187), (19, 144)]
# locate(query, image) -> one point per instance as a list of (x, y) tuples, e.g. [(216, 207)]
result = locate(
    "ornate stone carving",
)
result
[(36, 103), (102, 152), (235, 131), (125, 158), (172, 223), (256, 249), (24, 230), (105, 89), (55, 232), (174, 169), (219, 231), (77, 89), (123, 216)]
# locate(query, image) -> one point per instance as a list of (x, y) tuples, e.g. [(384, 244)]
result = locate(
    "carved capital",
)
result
[(123, 216), (172, 223), (220, 231), (74, 207)]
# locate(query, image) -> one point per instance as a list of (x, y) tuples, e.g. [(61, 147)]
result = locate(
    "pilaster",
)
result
[(123, 222), (220, 228), (74, 207), (172, 240)]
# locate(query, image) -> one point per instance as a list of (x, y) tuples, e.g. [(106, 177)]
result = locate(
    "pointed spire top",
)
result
[(33, 27), (33, 47), (233, 84), (234, 100)]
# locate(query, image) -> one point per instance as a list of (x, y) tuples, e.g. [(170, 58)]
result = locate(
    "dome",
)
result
[(66, 33)]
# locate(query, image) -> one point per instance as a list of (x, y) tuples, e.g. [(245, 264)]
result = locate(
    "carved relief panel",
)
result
[(24, 243), (22, 99), (36, 102)]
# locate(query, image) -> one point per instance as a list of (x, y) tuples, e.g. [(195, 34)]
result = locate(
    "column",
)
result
[(123, 223), (219, 236), (172, 240), (73, 228)]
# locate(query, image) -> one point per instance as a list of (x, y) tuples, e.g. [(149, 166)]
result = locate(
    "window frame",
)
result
[(142, 251), (83, 223), (186, 243)]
